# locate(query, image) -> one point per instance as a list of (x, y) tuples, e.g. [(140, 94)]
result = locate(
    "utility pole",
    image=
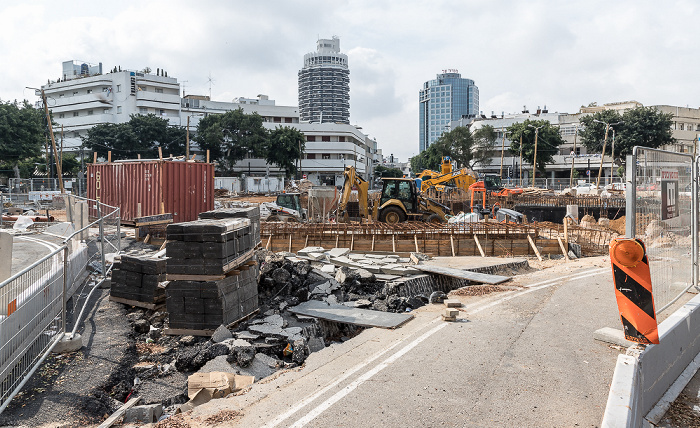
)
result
[(503, 142), (573, 158), (602, 155), (187, 140), (612, 160), (534, 160), (53, 142), (521, 160)]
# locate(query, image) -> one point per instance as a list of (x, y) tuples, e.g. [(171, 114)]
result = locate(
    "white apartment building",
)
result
[(85, 96), (329, 146), (686, 128)]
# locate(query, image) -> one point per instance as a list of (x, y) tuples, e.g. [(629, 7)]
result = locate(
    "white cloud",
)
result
[(562, 54)]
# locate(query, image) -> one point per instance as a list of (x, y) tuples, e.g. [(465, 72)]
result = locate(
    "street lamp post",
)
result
[(573, 158), (534, 160), (605, 142)]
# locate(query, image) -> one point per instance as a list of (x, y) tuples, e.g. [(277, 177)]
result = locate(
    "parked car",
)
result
[(584, 188), (616, 186)]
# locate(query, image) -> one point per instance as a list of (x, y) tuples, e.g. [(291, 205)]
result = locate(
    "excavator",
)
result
[(400, 201), (449, 179), (490, 184)]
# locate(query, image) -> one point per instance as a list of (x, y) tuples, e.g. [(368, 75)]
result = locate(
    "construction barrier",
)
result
[(633, 291)]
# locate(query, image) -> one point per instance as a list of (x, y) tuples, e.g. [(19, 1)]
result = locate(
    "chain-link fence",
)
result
[(33, 301), (661, 194)]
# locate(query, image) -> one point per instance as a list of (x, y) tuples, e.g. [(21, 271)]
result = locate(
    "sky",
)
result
[(559, 54)]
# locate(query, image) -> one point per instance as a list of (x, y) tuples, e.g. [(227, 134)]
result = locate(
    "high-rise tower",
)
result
[(324, 84), (448, 97)]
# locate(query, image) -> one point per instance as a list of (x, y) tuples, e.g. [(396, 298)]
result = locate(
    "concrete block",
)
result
[(68, 343), (316, 256), (5, 254), (452, 303), (220, 334), (143, 414), (450, 315), (356, 256), (338, 252), (328, 269)]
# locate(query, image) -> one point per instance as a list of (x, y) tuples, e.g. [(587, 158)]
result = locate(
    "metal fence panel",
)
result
[(662, 214), (30, 306)]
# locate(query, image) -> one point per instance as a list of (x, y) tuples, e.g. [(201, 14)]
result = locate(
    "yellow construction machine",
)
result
[(460, 179), (399, 201)]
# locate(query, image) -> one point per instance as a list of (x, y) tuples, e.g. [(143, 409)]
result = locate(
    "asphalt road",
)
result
[(518, 358)]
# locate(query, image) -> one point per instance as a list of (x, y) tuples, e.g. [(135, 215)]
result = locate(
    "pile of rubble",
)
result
[(336, 277)]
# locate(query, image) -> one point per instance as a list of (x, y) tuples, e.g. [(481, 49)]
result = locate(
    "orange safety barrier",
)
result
[(635, 300), (11, 307)]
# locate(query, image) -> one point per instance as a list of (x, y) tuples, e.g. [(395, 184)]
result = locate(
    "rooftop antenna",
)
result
[(183, 87), (211, 82)]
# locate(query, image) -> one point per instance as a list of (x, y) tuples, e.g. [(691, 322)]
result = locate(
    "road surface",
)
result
[(516, 358)]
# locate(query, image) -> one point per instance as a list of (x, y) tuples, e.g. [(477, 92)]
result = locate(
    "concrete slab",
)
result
[(316, 256), (347, 315), (306, 251), (328, 269), (464, 274), (338, 252), (612, 335), (476, 263)]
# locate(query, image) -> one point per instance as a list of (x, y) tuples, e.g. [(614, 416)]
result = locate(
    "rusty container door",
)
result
[(134, 187), (188, 189)]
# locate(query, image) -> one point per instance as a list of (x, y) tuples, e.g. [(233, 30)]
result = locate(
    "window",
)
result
[(341, 139), (326, 156), (106, 111), (119, 88), (75, 92), (61, 115), (680, 126), (287, 120), (60, 95), (143, 110), (277, 119), (159, 90), (104, 89), (89, 112), (76, 114), (119, 109), (311, 156), (326, 138), (161, 112), (310, 138), (89, 91)]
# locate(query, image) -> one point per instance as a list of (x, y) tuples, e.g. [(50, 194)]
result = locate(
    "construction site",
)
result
[(193, 295)]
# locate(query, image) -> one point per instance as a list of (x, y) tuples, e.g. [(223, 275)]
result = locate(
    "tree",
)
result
[(641, 126), (284, 148), (232, 136), (548, 141), (463, 146), (141, 135), (22, 134), (383, 171)]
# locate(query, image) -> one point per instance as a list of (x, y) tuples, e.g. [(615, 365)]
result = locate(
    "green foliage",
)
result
[(641, 126), (22, 134), (231, 136), (142, 134), (284, 148), (548, 141), (465, 147), (383, 171)]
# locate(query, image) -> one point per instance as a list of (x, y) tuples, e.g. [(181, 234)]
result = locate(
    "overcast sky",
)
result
[(562, 54)]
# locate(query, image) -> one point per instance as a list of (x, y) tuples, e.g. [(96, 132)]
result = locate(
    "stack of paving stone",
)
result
[(208, 247), (137, 278), (212, 273), (252, 213)]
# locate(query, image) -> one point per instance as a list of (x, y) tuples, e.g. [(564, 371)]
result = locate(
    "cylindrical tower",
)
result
[(324, 84)]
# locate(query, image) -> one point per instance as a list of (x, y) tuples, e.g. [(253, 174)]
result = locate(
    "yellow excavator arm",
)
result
[(462, 179), (352, 179)]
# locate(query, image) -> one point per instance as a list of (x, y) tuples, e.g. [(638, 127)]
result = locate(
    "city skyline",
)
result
[(534, 54)]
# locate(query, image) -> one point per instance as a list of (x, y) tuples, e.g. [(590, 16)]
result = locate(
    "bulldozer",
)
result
[(400, 200)]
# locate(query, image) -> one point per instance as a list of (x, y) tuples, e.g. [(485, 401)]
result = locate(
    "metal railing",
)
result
[(33, 301), (662, 211)]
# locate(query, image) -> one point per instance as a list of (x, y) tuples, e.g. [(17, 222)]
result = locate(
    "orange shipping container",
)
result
[(144, 188)]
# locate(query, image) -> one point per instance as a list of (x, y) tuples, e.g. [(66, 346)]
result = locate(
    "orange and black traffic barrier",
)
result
[(635, 300)]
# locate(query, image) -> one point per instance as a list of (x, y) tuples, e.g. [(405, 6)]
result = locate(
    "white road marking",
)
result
[(50, 245), (306, 401), (313, 414), (362, 379)]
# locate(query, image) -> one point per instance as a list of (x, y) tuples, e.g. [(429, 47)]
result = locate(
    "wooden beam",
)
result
[(372, 242), (478, 245), (452, 243), (94, 157), (269, 239), (534, 247), (563, 250), (415, 241), (290, 243), (160, 153), (109, 156), (393, 243), (207, 156), (119, 413)]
